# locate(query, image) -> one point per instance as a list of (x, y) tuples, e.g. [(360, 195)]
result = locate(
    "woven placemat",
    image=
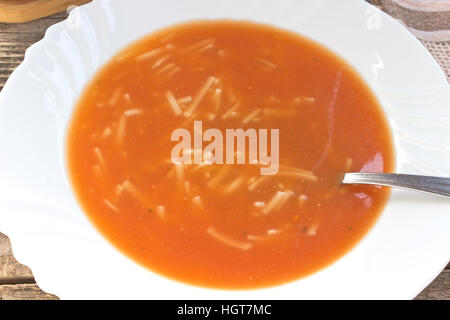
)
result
[(428, 20)]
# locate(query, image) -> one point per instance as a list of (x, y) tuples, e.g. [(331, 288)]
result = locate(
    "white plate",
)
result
[(401, 255)]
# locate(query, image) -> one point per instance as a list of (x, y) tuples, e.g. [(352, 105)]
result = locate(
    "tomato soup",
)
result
[(227, 225)]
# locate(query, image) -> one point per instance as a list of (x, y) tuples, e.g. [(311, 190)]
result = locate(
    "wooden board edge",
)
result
[(19, 11)]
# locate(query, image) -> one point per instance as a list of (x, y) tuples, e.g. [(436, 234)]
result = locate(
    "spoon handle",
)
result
[(434, 185)]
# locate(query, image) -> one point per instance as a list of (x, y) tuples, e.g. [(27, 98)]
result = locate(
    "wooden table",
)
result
[(16, 281)]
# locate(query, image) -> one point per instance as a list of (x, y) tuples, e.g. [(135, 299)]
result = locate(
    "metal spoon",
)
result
[(433, 185)]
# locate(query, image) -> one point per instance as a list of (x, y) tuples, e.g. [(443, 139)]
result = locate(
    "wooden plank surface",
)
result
[(16, 38), (16, 281), (24, 292)]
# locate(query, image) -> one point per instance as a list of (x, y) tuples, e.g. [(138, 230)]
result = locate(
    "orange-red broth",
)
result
[(189, 226)]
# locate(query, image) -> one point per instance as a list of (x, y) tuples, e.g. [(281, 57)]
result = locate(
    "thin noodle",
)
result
[(278, 196), (183, 100), (121, 130), (110, 205), (160, 61), (227, 114), (217, 97), (199, 45), (115, 97), (233, 186), (257, 183), (133, 112), (149, 54), (227, 240), (99, 156), (250, 117), (167, 67), (172, 73), (298, 174), (198, 98), (268, 63), (173, 103)]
